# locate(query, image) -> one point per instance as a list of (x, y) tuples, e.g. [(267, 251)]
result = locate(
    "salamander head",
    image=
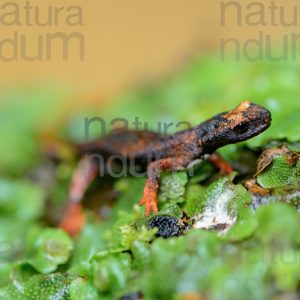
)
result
[(242, 123)]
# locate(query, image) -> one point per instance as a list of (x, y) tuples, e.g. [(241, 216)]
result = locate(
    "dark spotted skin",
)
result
[(175, 152), (240, 124)]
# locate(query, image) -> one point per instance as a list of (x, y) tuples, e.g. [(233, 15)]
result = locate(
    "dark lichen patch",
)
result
[(168, 226)]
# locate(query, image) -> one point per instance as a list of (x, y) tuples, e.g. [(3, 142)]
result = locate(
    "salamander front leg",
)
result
[(220, 163), (150, 196), (153, 172)]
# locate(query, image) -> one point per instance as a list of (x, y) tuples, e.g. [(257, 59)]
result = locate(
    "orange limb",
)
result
[(73, 219), (220, 163), (153, 172), (150, 197)]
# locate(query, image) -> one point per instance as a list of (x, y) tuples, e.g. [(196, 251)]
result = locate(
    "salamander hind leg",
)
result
[(154, 169), (73, 218)]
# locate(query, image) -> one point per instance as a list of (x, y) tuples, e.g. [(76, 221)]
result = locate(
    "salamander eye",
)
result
[(241, 127)]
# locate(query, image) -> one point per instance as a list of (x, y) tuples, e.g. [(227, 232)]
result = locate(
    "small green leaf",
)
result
[(80, 289), (194, 202), (277, 222), (243, 229), (41, 287), (21, 199), (110, 273), (279, 173), (172, 186), (286, 270), (51, 248), (224, 202)]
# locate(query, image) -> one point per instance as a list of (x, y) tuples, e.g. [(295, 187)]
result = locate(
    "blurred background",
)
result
[(127, 43)]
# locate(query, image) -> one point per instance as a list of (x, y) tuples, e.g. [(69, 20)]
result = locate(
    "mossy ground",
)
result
[(258, 257)]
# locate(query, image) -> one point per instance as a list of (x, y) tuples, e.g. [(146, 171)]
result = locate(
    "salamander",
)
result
[(157, 153)]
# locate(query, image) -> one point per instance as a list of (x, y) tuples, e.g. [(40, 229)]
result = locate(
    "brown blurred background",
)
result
[(128, 42)]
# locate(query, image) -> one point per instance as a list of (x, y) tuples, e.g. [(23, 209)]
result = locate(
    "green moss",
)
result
[(48, 249), (41, 287), (256, 258), (280, 173), (172, 187)]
